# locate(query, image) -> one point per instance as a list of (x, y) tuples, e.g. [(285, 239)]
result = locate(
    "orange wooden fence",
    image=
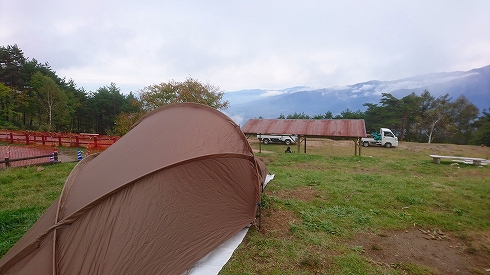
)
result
[(91, 141)]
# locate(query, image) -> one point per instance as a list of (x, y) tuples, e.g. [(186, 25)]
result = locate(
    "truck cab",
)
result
[(385, 138)]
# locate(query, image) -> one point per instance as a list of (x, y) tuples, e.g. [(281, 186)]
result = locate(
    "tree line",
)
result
[(421, 118), (34, 97)]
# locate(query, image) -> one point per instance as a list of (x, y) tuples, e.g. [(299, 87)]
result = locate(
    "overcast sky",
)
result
[(249, 44)]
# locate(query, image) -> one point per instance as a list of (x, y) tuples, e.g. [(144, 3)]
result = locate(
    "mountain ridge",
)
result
[(255, 103)]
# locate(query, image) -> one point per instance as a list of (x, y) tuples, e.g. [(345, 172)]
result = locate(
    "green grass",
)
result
[(25, 193), (329, 197), (315, 205)]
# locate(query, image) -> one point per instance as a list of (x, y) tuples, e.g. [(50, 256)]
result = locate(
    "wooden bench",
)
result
[(475, 161)]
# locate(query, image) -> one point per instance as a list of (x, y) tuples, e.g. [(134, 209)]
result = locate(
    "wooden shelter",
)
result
[(353, 129)]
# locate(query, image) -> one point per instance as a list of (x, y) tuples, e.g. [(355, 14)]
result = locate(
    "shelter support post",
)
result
[(305, 145), (301, 139), (355, 147), (298, 145), (359, 145)]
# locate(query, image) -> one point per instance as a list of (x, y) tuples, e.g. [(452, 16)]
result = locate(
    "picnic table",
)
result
[(475, 161)]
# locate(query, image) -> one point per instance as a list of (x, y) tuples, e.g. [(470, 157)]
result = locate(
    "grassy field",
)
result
[(329, 212), (25, 193), (388, 211)]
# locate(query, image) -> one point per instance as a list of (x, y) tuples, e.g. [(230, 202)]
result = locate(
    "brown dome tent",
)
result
[(176, 186)]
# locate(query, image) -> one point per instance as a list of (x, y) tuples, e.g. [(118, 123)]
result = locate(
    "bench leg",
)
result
[(477, 162), (437, 160)]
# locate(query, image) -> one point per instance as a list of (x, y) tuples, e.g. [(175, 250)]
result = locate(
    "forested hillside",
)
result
[(34, 97)]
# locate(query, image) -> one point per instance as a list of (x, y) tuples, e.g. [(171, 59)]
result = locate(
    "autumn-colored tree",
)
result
[(190, 90), (125, 121)]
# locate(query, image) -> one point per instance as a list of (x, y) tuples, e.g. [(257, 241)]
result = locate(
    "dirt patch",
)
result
[(66, 156), (277, 223), (439, 251)]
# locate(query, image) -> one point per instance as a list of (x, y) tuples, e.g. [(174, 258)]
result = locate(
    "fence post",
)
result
[(11, 138), (95, 143), (43, 139), (59, 141), (55, 155), (77, 142), (27, 139), (7, 164)]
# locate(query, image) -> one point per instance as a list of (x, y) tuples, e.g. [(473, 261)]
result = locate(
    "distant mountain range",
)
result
[(246, 104)]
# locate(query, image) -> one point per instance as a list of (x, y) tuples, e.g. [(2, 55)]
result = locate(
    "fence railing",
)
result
[(18, 156), (53, 158), (92, 141)]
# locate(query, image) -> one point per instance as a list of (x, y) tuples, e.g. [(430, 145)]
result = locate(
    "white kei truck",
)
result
[(286, 139), (385, 138)]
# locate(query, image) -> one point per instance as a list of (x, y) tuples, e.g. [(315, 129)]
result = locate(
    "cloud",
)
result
[(414, 83), (237, 118), (365, 87), (271, 93), (253, 44)]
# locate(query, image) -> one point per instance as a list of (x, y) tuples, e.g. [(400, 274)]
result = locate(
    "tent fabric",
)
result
[(214, 261), (181, 182)]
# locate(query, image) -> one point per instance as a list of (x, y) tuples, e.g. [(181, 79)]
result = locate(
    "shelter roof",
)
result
[(307, 127)]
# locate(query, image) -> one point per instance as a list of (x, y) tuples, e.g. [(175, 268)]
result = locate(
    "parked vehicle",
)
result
[(385, 138), (286, 139)]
